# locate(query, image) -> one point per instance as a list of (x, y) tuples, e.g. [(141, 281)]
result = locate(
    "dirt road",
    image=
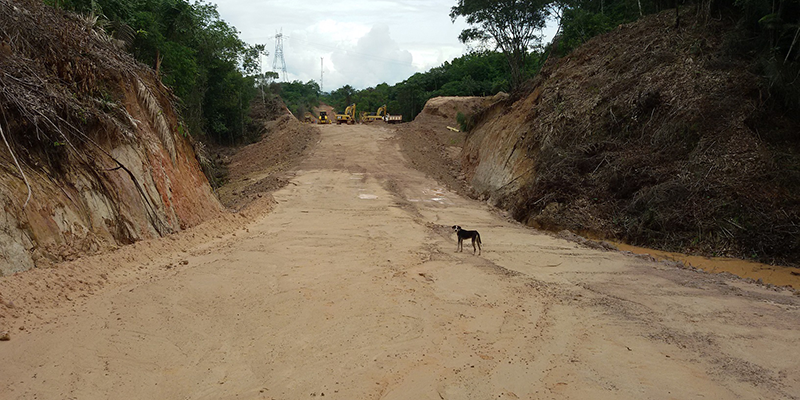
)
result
[(350, 289)]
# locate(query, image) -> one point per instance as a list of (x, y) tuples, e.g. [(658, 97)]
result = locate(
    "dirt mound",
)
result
[(94, 154), (651, 135), (441, 112), (260, 168), (432, 147), (324, 107)]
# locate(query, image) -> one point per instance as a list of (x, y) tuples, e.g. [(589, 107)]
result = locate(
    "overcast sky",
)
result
[(362, 43)]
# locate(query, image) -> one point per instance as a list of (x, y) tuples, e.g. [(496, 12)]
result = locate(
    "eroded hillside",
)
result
[(94, 154), (650, 134)]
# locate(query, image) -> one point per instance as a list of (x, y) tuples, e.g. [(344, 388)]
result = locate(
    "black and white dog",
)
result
[(462, 234)]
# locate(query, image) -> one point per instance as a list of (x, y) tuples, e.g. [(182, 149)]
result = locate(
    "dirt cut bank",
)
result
[(94, 154), (651, 135)]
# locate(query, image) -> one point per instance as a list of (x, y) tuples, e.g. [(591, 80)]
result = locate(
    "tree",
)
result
[(514, 27), (342, 97), (194, 51)]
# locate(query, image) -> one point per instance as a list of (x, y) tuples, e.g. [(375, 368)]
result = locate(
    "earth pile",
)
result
[(653, 135)]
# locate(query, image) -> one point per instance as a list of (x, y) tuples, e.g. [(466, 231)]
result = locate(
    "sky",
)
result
[(361, 43)]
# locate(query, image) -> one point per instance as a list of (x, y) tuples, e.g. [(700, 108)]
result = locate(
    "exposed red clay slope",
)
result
[(97, 138)]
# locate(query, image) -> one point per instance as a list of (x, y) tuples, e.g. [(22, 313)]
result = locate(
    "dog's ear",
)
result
[(454, 227)]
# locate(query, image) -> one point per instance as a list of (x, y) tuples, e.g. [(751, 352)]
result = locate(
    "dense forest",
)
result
[(198, 55)]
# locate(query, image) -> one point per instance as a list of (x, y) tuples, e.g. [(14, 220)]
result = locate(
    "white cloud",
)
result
[(363, 43), (376, 58), (339, 32)]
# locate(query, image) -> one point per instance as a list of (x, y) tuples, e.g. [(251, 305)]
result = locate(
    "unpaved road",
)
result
[(350, 289)]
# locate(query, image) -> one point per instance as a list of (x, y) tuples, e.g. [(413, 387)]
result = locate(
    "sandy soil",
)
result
[(349, 288)]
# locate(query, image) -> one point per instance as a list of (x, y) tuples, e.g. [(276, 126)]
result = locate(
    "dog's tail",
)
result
[(479, 238)]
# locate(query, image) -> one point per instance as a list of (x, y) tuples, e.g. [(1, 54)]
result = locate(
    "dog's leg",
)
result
[(473, 245)]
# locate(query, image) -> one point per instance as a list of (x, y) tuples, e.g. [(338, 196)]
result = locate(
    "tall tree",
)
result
[(513, 26)]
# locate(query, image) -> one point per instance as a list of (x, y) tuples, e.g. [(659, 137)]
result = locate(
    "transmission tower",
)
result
[(279, 55)]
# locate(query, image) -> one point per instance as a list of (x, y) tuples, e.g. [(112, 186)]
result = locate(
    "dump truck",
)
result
[(349, 116), (392, 119)]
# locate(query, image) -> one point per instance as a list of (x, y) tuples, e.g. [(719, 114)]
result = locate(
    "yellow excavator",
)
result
[(376, 116), (309, 118), (323, 118), (349, 116)]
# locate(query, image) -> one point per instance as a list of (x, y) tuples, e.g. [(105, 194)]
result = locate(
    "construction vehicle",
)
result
[(309, 118), (392, 119), (372, 117), (349, 116), (323, 118)]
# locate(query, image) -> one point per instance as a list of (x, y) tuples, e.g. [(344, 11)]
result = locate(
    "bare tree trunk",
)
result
[(158, 62), (515, 69)]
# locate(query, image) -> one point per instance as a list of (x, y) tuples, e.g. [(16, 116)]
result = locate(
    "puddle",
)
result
[(774, 274), (367, 196)]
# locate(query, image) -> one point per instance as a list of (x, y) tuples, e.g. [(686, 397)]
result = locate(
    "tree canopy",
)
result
[(512, 26), (197, 54)]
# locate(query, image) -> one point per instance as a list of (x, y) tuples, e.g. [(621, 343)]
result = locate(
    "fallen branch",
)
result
[(19, 167)]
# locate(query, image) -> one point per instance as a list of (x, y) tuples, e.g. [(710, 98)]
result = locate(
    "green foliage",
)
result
[(465, 122), (513, 26), (299, 97), (583, 19), (580, 25), (340, 98), (476, 74), (196, 53)]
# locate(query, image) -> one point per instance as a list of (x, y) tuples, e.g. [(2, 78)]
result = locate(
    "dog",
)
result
[(464, 234)]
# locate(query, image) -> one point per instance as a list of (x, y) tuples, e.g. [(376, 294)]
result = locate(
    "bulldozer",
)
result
[(323, 118), (349, 116), (376, 116)]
